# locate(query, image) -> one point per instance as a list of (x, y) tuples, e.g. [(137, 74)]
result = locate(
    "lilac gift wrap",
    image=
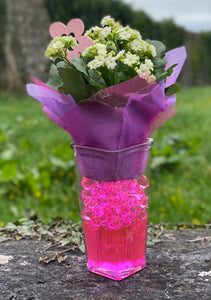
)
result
[(113, 119), (109, 165)]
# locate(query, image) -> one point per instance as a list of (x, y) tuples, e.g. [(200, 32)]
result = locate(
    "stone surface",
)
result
[(26, 39), (177, 268)]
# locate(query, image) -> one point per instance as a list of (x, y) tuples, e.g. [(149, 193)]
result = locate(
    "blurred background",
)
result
[(37, 178)]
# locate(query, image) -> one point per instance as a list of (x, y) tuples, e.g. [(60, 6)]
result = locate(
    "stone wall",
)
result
[(26, 39)]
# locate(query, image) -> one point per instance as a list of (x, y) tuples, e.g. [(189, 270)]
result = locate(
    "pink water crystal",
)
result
[(114, 220)]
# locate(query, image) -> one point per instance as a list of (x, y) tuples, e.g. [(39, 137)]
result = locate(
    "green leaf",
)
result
[(8, 153), (79, 64), (157, 161), (25, 230), (153, 241), (2, 137), (172, 89), (82, 248), (168, 151), (54, 80), (31, 182), (10, 227), (166, 73), (65, 241), (159, 61), (60, 163), (96, 80), (3, 191), (45, 232), (45, 179), (9, 170), (160, 47), (154, 151), (73, 83)]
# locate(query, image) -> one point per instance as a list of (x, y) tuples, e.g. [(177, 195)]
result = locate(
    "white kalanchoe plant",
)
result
[(118, 54)]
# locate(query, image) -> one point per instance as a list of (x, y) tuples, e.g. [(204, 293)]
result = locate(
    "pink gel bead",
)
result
[(98, 210), (113, 204), (115, 226), (142, 180), (86, 183), (95, 190)]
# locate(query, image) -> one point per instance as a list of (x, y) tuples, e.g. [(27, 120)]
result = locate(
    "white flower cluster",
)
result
[(101, 56), (116, 46), (145, 69), (59, 45)]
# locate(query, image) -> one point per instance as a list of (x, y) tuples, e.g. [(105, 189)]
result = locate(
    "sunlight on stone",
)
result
[(4, 259)]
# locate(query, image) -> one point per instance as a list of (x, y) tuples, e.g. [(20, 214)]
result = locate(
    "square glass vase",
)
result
[(113, 192)]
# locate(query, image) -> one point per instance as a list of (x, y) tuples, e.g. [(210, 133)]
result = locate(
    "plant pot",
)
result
[(114, 207)]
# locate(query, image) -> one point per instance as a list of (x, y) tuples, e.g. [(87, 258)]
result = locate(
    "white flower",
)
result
[(147, 76), (144, 72), (110, 62), (55, 50), (152, 49), (92, 30), (68, 41), (101, 49), (107, 21), (124, 34), (143, 68), (130, 59), (144, 46), (87, 51), (120, 54), (136, 45), (149, 64), (136, 34), (96, 63), (105, 32), (95, 28), (57, 45)]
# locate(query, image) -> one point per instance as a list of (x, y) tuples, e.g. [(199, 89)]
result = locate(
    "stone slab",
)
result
[(179, 267)]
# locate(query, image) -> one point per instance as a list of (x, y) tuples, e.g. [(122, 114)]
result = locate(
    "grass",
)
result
[(37, 172), (181, 191)]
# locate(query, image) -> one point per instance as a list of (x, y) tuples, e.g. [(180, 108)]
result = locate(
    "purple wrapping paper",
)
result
[(101, 165), (115, 118)]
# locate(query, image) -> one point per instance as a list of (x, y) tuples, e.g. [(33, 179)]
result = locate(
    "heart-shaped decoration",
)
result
[(76, 28)]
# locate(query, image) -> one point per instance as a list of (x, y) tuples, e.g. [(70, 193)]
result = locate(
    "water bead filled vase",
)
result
[(104, 111), (113, 191)]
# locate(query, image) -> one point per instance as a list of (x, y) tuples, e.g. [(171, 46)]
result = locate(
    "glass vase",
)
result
[(113, 191)]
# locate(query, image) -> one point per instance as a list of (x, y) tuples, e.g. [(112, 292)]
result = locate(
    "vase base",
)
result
[(112, 271)]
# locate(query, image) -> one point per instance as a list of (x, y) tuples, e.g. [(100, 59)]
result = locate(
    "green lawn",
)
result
[(180, 191), (37, 171)]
